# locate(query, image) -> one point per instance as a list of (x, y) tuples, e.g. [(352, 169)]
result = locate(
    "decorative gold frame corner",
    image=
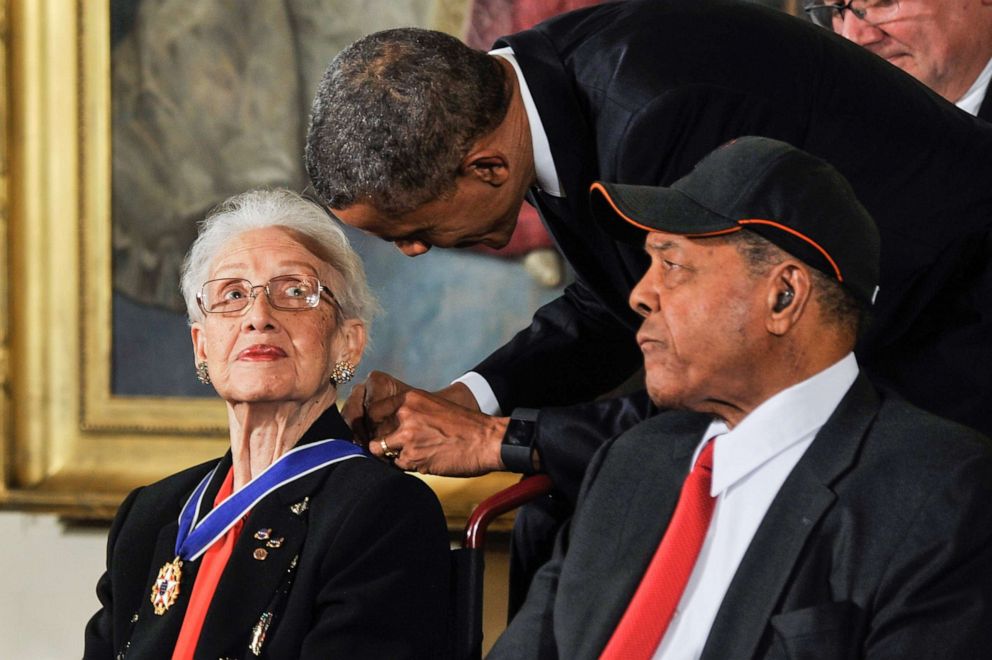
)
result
[(4, 268)]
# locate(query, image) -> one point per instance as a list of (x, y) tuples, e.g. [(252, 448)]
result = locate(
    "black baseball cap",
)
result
[(789, 197)]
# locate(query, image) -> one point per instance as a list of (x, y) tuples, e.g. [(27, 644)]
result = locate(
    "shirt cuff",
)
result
[(483, 393)]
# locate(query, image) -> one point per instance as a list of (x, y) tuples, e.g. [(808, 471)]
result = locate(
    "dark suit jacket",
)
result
[(879, 544), (371, 580), (638, 92)]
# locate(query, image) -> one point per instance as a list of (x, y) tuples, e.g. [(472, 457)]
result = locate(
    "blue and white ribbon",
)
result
[(194, 538)]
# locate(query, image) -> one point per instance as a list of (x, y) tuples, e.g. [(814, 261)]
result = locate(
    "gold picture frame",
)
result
[(69, 445)]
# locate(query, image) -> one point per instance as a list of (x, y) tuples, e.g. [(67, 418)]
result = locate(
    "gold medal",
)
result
[(166, 587)]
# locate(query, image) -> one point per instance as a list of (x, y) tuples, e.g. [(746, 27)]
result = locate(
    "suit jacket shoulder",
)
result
[(844, 560)]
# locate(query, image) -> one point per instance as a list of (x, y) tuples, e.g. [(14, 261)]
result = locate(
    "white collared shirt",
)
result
[(544, 163), (547, 181), (750, 464), (482, 391), (971, 102)]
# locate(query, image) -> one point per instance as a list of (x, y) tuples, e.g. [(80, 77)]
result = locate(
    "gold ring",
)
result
[(386, 451)]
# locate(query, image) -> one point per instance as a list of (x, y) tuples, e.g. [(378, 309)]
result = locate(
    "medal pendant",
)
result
[(166, 587)]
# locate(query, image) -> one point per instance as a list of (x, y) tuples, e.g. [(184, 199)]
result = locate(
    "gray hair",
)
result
[(260, 209), (395, 114), (838, 304)]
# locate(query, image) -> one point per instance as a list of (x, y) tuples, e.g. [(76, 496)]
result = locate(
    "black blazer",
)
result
[(371, 578), (637, 92), (878, 545)]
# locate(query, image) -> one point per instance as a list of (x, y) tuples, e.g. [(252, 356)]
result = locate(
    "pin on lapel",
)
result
[(261, 628), (265, 534), (258, 633), (300, 506)]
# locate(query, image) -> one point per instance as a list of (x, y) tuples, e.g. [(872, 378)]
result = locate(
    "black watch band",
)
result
[(518, 441)]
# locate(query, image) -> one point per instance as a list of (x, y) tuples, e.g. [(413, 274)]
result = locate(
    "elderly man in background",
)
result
[(821, 517), (945, 44)]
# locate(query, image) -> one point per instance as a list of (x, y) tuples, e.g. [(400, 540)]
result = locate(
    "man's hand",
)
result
[(441, 433), (377, 386)]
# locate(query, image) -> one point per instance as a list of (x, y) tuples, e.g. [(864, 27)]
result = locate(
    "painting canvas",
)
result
[(210, 99), (128, 120), (110, 167)]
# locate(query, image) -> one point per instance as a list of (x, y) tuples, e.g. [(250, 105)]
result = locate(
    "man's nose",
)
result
[(642, 300)]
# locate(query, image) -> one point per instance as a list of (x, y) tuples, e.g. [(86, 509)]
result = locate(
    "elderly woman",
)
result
[(295, 543)]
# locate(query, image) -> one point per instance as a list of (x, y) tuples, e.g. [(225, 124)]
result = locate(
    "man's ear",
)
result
[(788, 293), (350, 340), (489, 166)]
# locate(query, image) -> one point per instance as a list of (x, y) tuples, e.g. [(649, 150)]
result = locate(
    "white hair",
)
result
[(260, 209)]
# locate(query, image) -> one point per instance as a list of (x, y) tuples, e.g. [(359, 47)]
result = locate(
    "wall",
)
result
[(49, 573)]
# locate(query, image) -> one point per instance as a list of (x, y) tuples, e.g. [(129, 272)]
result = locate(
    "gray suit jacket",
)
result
[(879, 544)]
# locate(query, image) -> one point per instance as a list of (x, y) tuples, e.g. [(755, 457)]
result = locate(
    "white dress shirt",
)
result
[(750, 464), (971, 102), (544, 163), (547, 181)]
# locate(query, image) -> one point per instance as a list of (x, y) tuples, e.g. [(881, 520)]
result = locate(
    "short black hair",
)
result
[(395, 114)]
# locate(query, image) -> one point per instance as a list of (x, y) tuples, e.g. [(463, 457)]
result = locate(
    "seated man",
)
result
[(820, 517)]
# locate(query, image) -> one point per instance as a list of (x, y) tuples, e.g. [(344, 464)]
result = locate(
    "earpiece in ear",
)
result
[(784, 300)]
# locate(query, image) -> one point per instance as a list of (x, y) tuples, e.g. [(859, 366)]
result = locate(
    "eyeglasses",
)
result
[(290, 293), (831, 15)]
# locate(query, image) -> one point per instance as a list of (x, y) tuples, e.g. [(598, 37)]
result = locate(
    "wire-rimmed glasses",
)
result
[(830, 15), (291, 293)]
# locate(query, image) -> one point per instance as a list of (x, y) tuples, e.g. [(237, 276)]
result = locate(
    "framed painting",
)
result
[(99, 204)]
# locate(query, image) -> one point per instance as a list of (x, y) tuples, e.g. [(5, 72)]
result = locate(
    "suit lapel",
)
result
[(804, 498), (604, 574), (272, 537), (270, 541), (154, 635), (985, 110), (574, 151), (569, 135)]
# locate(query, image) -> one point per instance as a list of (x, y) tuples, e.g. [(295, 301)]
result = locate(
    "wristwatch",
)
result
[(518, 441)]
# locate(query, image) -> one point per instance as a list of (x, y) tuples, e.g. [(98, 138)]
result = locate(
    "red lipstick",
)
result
[(261, 353)]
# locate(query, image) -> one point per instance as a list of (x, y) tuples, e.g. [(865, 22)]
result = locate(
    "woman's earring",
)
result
[(202, 374), (343, 372)]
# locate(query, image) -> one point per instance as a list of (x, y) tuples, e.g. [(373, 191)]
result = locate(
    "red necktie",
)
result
[(651, 609)]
